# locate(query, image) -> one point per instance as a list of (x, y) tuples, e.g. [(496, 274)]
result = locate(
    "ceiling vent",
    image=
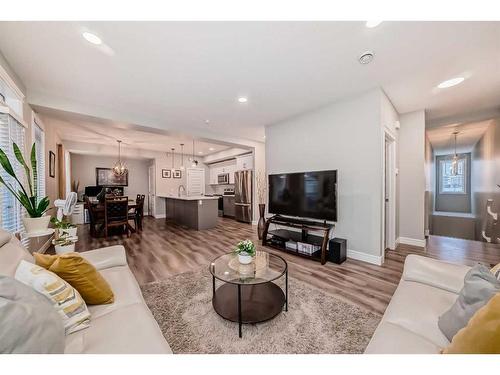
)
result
[(366, 57)]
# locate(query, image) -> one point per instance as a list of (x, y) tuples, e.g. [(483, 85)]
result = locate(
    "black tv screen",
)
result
[(306, 194)]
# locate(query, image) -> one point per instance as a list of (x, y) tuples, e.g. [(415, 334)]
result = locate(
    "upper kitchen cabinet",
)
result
[(244, 162)]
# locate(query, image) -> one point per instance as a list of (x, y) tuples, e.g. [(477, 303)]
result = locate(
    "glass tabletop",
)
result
[(265, 267)]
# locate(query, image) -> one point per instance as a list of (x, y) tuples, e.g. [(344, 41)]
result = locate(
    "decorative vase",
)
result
[(262, 222), (244, 258), (64, 249), (36, 224)]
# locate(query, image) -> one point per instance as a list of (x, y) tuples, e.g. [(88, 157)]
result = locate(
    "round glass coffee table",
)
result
[(249, 294)]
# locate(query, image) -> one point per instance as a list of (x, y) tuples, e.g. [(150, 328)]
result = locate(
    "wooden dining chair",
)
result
[(116, 214), (95, 218), (138, 214)]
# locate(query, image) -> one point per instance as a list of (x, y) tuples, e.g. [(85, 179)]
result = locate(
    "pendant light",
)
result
[(194, 163), (454, 162), (173, 168), (182, 157), (120, 168)]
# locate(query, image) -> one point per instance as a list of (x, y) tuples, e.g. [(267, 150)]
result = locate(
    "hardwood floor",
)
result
[(164, 249)]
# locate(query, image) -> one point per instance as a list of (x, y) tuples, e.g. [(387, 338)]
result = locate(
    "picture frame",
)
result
[(177, 173), (166, 173), (106, 177), (52, 164)]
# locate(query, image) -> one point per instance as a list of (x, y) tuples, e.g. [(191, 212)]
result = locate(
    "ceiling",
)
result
[(176, 75), (76, 128), (442, 138)]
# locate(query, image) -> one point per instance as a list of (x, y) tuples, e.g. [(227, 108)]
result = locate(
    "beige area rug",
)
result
[(314, 323)]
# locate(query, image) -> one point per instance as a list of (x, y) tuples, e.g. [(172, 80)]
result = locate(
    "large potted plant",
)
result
[(36, 221)]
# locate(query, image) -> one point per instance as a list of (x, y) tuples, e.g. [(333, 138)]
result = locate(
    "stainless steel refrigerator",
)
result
[(243, 196)]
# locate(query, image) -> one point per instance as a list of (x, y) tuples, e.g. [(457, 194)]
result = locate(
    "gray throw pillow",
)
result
[(28, 321), (479, 286)]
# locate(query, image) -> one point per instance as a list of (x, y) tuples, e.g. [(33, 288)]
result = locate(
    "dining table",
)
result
[(98, 207)]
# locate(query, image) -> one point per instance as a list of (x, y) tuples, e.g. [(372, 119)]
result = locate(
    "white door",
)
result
[(151, 191)]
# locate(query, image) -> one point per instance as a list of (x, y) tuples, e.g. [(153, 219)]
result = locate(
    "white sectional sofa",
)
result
[(427, 289), (123, 327)]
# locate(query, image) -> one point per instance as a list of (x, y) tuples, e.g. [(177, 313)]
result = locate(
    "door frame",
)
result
[(390, 140)]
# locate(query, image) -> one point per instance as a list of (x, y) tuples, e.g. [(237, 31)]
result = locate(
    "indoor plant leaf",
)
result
[(20, 159)]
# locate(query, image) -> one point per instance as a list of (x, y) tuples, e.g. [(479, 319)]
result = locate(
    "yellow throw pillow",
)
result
[(482, 334), (82, 275)]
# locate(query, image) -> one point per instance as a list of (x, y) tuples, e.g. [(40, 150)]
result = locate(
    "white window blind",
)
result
[(11, 210), (449, 183), (39, 140)]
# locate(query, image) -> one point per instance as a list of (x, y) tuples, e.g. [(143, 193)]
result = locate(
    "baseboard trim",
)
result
[(160, 216), (411, 241), (372, 259)]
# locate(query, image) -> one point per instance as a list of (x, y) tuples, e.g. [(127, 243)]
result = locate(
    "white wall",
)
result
[(83, 169), (411, 179), (346, 136)]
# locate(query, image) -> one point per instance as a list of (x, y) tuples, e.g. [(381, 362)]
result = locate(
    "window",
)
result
[(11, 210), (448, 183), (39, 140)]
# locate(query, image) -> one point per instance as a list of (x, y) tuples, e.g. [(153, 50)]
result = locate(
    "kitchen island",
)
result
[(200, 212)]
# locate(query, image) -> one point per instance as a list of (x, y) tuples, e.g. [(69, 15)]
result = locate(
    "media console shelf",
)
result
[(303, 236)]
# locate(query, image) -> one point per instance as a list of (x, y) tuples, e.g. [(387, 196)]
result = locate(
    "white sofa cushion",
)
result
[(124, 287), (106, 257), (391, 338), (127, 330), (416, 307), (11, 254)]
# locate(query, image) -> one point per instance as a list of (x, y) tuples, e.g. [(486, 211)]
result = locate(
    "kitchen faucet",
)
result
[(179, 190)]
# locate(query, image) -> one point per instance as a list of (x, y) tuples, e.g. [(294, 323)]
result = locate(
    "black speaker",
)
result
[(337, 250)]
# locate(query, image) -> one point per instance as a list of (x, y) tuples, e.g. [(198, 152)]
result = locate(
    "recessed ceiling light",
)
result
[(366, 57), (199, 152), (242, 99), (372, 24), (211, 149), (207, 122), (92, 38), (451, 82)]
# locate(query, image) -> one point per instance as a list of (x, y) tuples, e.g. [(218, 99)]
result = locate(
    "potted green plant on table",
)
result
[(65, 243), (246, 251), (35, 206), (63, 226)]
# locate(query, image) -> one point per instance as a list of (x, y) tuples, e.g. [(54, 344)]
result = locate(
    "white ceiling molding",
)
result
[(10, 83)]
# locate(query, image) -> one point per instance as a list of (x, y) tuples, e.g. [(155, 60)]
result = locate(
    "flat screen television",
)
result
[(305, 194)]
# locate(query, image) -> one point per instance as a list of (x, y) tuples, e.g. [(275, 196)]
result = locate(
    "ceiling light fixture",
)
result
[(211, 149), (451, 82), (92, 38), (194, 162), (207, 122), (366, 57), (242, 99), (120, 168), (372, 24), (454, 162), (182, 157), (173, 168)]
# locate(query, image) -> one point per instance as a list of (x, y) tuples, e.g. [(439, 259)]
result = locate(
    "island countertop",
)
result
[(186, 198)]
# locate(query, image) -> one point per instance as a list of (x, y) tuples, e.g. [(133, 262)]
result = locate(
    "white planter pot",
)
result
[(64, 249), (71, 232), (36, 224), (244, 258)]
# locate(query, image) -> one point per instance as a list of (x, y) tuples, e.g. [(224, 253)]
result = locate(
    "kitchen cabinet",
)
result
[(215, 170), (244, 162)]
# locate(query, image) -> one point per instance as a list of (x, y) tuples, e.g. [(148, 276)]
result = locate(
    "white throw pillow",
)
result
[(65, 299)]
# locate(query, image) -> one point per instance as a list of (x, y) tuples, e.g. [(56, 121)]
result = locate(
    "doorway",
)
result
[(389, 193)]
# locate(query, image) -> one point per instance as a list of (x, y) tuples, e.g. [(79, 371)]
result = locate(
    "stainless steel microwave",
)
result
[(223, 178)]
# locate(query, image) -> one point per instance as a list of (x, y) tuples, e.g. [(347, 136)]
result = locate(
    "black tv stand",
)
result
[(303, 236)]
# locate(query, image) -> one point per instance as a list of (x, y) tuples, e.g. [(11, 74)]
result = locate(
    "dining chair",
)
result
[(116, 214), (95, 218), (138, 214)]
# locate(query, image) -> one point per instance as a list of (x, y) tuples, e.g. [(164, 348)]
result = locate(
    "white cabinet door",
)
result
[(195, 182), (244, 162)]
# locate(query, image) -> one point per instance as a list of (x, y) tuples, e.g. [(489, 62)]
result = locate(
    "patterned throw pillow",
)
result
[(496, 271), (65, 299)]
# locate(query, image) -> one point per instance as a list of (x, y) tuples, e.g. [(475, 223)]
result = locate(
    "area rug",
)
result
[(314, 323)]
